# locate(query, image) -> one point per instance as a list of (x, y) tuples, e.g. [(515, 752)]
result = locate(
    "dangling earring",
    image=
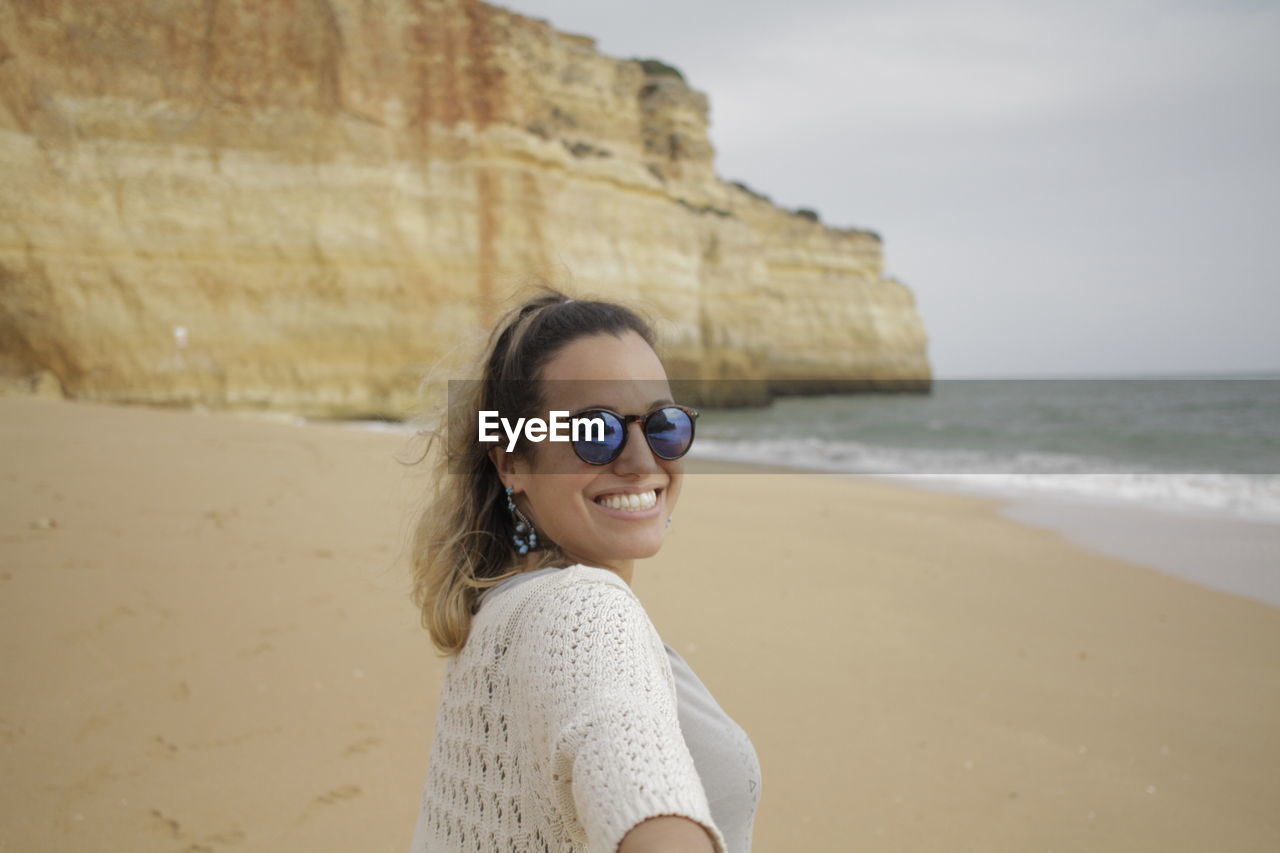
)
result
[(523, 525), (668, 521)]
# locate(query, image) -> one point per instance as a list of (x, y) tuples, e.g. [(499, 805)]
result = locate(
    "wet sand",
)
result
[(208, 645)]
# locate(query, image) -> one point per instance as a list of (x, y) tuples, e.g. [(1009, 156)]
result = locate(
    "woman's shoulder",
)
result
[(576, 587), (583, 576), (584, 629), (576, 597), (558, 582), (547, 605)]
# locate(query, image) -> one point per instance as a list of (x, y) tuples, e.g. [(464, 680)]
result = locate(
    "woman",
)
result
[(565, 723)]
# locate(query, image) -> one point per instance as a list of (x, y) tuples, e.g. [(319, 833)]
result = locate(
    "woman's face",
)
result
[(561, 494)]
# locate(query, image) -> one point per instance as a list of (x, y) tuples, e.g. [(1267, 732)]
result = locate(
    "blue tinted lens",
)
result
[(670, 432), (599, 435)]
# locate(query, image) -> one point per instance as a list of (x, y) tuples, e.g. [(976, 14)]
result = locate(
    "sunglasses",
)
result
[(668, 431)]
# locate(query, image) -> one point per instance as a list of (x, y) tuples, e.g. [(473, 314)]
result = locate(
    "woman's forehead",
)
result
[(604, 370), (604, 357), (626, 396)]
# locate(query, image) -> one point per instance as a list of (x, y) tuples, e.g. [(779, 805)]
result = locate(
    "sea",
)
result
[(1203, 445)]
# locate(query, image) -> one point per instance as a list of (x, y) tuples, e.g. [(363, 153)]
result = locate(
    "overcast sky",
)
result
[(1071, 188)]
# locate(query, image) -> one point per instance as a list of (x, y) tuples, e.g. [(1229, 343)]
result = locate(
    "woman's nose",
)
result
[(637, 456)]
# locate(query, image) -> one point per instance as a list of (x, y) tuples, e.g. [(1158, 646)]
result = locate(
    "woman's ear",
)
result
[(509, 466)]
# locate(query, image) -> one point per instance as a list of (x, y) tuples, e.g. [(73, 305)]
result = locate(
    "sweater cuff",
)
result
[(637, 813)]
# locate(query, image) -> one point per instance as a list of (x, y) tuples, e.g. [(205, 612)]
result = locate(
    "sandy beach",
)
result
[(208, 646)]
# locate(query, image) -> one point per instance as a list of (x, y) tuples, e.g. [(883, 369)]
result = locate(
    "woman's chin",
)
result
[(637, 546), (646, 546)]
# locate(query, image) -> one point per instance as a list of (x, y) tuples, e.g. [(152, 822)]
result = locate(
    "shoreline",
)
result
[(1237, 556), (1216, 550)]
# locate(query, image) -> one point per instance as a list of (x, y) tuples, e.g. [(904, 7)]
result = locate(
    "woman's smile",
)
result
[(631, 504)]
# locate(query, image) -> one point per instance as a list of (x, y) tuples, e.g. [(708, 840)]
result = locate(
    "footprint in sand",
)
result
[(330, 798), (337, 795), (165, 825), (159, 822), (362, 746), (230, 836), (164, 746), (219, 518)]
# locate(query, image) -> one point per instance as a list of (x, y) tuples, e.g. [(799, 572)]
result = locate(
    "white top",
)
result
[(565, 721), (723, 754)]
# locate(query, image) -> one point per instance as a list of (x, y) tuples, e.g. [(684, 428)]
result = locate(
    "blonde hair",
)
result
[(462, 543)]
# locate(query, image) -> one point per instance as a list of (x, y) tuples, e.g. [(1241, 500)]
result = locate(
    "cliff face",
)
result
[(302, 205)]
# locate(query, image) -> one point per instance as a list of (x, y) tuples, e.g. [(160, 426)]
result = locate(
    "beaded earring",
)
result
[(524, 544)]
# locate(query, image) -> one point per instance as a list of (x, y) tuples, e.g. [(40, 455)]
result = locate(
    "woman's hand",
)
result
[(667, 834)]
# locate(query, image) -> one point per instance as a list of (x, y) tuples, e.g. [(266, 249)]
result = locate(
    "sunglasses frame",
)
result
[(643, 420)]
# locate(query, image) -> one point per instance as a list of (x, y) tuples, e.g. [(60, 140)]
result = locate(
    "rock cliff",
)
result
[(304, 205)]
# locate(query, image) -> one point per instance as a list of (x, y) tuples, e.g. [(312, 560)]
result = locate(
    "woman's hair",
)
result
[(463, 541)]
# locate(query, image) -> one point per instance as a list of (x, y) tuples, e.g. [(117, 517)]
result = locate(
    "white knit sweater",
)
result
[(557, 729)]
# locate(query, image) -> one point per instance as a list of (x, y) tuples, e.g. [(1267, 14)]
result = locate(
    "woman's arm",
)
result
[(602, 718), (667, 834)]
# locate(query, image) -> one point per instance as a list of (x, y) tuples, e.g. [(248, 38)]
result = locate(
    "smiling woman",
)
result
[(565, 723)]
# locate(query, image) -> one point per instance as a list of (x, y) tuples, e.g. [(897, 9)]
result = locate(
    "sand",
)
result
[(208, 646), (1240, 556)]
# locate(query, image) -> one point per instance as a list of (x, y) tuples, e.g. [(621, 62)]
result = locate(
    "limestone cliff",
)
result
[(302, 205)]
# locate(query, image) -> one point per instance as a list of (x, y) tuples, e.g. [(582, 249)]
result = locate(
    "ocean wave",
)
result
[(1250, 496)]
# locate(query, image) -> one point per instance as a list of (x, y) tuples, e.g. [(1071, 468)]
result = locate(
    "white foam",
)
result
[(1248, 496)]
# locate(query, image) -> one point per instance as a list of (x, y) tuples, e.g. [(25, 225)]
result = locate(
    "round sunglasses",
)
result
[(668, 432)]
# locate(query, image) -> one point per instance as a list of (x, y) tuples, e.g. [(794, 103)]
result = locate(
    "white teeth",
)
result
[(632, 502)]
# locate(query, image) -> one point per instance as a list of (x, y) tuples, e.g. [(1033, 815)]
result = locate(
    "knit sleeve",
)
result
[(602, 707)]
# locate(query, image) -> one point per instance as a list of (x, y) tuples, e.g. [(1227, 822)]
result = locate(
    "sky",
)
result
[(1069, 187)]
